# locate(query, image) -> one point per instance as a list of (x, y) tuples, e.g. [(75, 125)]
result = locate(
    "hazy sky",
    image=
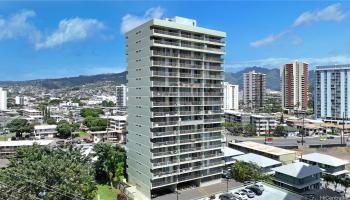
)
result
[(56, 39)]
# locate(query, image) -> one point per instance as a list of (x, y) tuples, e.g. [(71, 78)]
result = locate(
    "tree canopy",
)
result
[(106, 103), (90, 112), (96, 123), (110, 164), (243, 171), (41, 172), (20, 126)]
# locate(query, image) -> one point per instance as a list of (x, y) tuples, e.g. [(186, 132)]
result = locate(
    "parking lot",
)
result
[(270, 193)]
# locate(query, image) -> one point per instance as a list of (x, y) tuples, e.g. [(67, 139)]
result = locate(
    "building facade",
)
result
[(175, 96), (254, 89), (122, 95), (294, 85), (231, 100), (331, 92), (3, 99)]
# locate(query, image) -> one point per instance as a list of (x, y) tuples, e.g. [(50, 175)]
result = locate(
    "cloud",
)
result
[(17, 25), (131, 21), (70, 30), (329, 13), (277, 62), (269, 39)]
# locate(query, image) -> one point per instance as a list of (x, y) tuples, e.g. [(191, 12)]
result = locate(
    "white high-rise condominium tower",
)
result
[(254, 89), (294, 80), (332, 92), (175, 99), (3, 99), (231, 96), (122, 97)]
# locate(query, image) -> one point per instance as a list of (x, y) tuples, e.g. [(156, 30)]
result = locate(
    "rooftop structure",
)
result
[(283, 155)]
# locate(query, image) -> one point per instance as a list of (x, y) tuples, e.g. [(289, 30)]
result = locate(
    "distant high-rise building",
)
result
[(294, 82), (231, 96), (175, 96), (332, 92), (122, 96), (254, 89), (3, 99)]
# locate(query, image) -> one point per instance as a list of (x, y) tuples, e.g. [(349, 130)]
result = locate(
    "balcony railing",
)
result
[(191, 102), (164, 114), (183, 65), (164, 153), (213, 94), (162, 73), (214, 76), (159, 144), (161, 63), (162, 94), (165, 133), (157, 164), (213, 120), (212, 85), (166, 42), (166, 123), (189, 94), (162, 103), (190, 149), (190, 140), (164, 84), (190, 131), (214, 68), (162, 53), (213, 102), (166, 32), (214, 59)]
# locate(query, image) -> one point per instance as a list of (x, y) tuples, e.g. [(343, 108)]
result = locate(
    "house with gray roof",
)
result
[(331, 165), (266, 164), (299, 177)]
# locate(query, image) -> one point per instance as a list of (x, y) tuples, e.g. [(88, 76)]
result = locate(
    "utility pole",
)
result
[(342, 134), (302, 136)]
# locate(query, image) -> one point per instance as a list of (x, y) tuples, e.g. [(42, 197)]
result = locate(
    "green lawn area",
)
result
[(83, 134), (106, 193), (7, 136)]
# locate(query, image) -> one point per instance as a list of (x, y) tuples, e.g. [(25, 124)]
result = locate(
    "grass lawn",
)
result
[(83, 134), (7, 136), (106, 193)]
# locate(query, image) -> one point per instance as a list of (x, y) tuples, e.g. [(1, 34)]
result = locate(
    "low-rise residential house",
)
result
[(298, 177), (229, 155), (45, 130), (8, 148), (331, 165), (265, 164)]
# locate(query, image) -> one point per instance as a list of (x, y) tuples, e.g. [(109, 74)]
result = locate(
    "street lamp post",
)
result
[(302, 136)]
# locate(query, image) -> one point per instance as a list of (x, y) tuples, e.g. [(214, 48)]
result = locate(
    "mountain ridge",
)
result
[(272, 79)]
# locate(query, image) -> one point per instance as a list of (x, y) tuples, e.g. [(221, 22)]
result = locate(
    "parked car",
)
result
[(241, 195), (340, 191), (256, 190), (260, 186), (251, 182), (227, 196), (330, 137), (249, 193)]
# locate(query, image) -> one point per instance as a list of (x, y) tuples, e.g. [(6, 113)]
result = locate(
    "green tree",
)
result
[(64, 129), (20, 126), (110, 164), (244, 171), (51, 121), (54, 102), (282, 119), (328, 178), (279, 131), (106, 103), (250, 130), (96, 123), (90, 112), (41, 172), (345, 183)]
